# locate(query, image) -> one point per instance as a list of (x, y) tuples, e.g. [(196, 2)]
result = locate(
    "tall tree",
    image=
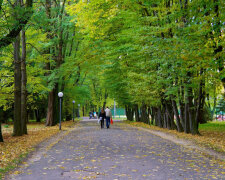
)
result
[(17, 128), (57, 15), (50, 109), (24, 84)]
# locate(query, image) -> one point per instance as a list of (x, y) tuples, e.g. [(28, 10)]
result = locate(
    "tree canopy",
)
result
[(162, 60)]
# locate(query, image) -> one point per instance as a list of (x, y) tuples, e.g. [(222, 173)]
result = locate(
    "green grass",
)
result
[(213, 126), (119, 118)]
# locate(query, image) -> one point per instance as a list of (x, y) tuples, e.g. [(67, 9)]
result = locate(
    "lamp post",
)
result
[(73, 109), (114, 108), (60, 94), (78, 110)]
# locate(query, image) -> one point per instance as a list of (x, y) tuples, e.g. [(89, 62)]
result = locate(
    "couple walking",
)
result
[(105, 114)]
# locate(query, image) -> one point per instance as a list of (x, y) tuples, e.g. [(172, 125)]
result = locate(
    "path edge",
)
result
[(184, 142), (39, 150)]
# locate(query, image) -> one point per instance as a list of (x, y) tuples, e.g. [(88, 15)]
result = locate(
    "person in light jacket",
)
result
[(108, 115)]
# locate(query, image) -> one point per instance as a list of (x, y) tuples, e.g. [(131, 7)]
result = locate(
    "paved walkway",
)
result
[(121, 152)]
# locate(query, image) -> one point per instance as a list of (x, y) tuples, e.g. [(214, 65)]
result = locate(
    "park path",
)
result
[(121, 152)]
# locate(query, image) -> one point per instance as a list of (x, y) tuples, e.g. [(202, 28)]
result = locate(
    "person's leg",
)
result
[(102, 123), (107, 122)]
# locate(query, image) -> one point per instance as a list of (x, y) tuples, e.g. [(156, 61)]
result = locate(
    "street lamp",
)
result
[(78, 110), (73, 109), (60, 94), (114, 108)]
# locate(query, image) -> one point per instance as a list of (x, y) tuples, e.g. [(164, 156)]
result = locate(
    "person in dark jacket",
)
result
[(102, 117), (90, 115)]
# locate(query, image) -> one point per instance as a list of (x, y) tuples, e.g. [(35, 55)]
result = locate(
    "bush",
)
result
[(6, 126), (207, 116)]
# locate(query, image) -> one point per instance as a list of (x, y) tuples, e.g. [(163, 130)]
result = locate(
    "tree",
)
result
[(137, 38), (158, 59), (17, 128), (23, 84)]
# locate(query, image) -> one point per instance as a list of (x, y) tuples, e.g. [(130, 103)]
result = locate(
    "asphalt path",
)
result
[(121, 152)]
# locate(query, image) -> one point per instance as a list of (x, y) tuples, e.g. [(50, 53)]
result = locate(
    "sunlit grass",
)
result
[(213, 126)]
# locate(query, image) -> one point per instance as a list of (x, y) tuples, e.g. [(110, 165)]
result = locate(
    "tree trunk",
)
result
[(37, 115), (165, 119), (200, 104), (56, 105), (144, 114), (17, 127), (188, 92), (218, 25), (192, 120), (182, 113), (148, 114), (152, 113), (169, 109), (50, 109), (83, 111), (136, 111), (164, 116), (49, 119), (182, 105), (53, 107), (191, 108), (24, 85), (175, 110), (30, 115), (167, 116), (159, 117), (186, 119), (129, 113), (1, 137), (1, 120)]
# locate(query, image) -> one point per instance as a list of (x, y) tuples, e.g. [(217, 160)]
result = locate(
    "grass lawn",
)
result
[(212, 134), (213, 126)]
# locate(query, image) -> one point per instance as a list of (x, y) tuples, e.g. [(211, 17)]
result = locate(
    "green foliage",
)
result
[(148, 48), (220, 106), (207, 115), (138, 52)]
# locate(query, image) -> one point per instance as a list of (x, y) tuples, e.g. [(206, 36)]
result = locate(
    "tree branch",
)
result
[(34, 47), (8, 39), (1, 2)]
